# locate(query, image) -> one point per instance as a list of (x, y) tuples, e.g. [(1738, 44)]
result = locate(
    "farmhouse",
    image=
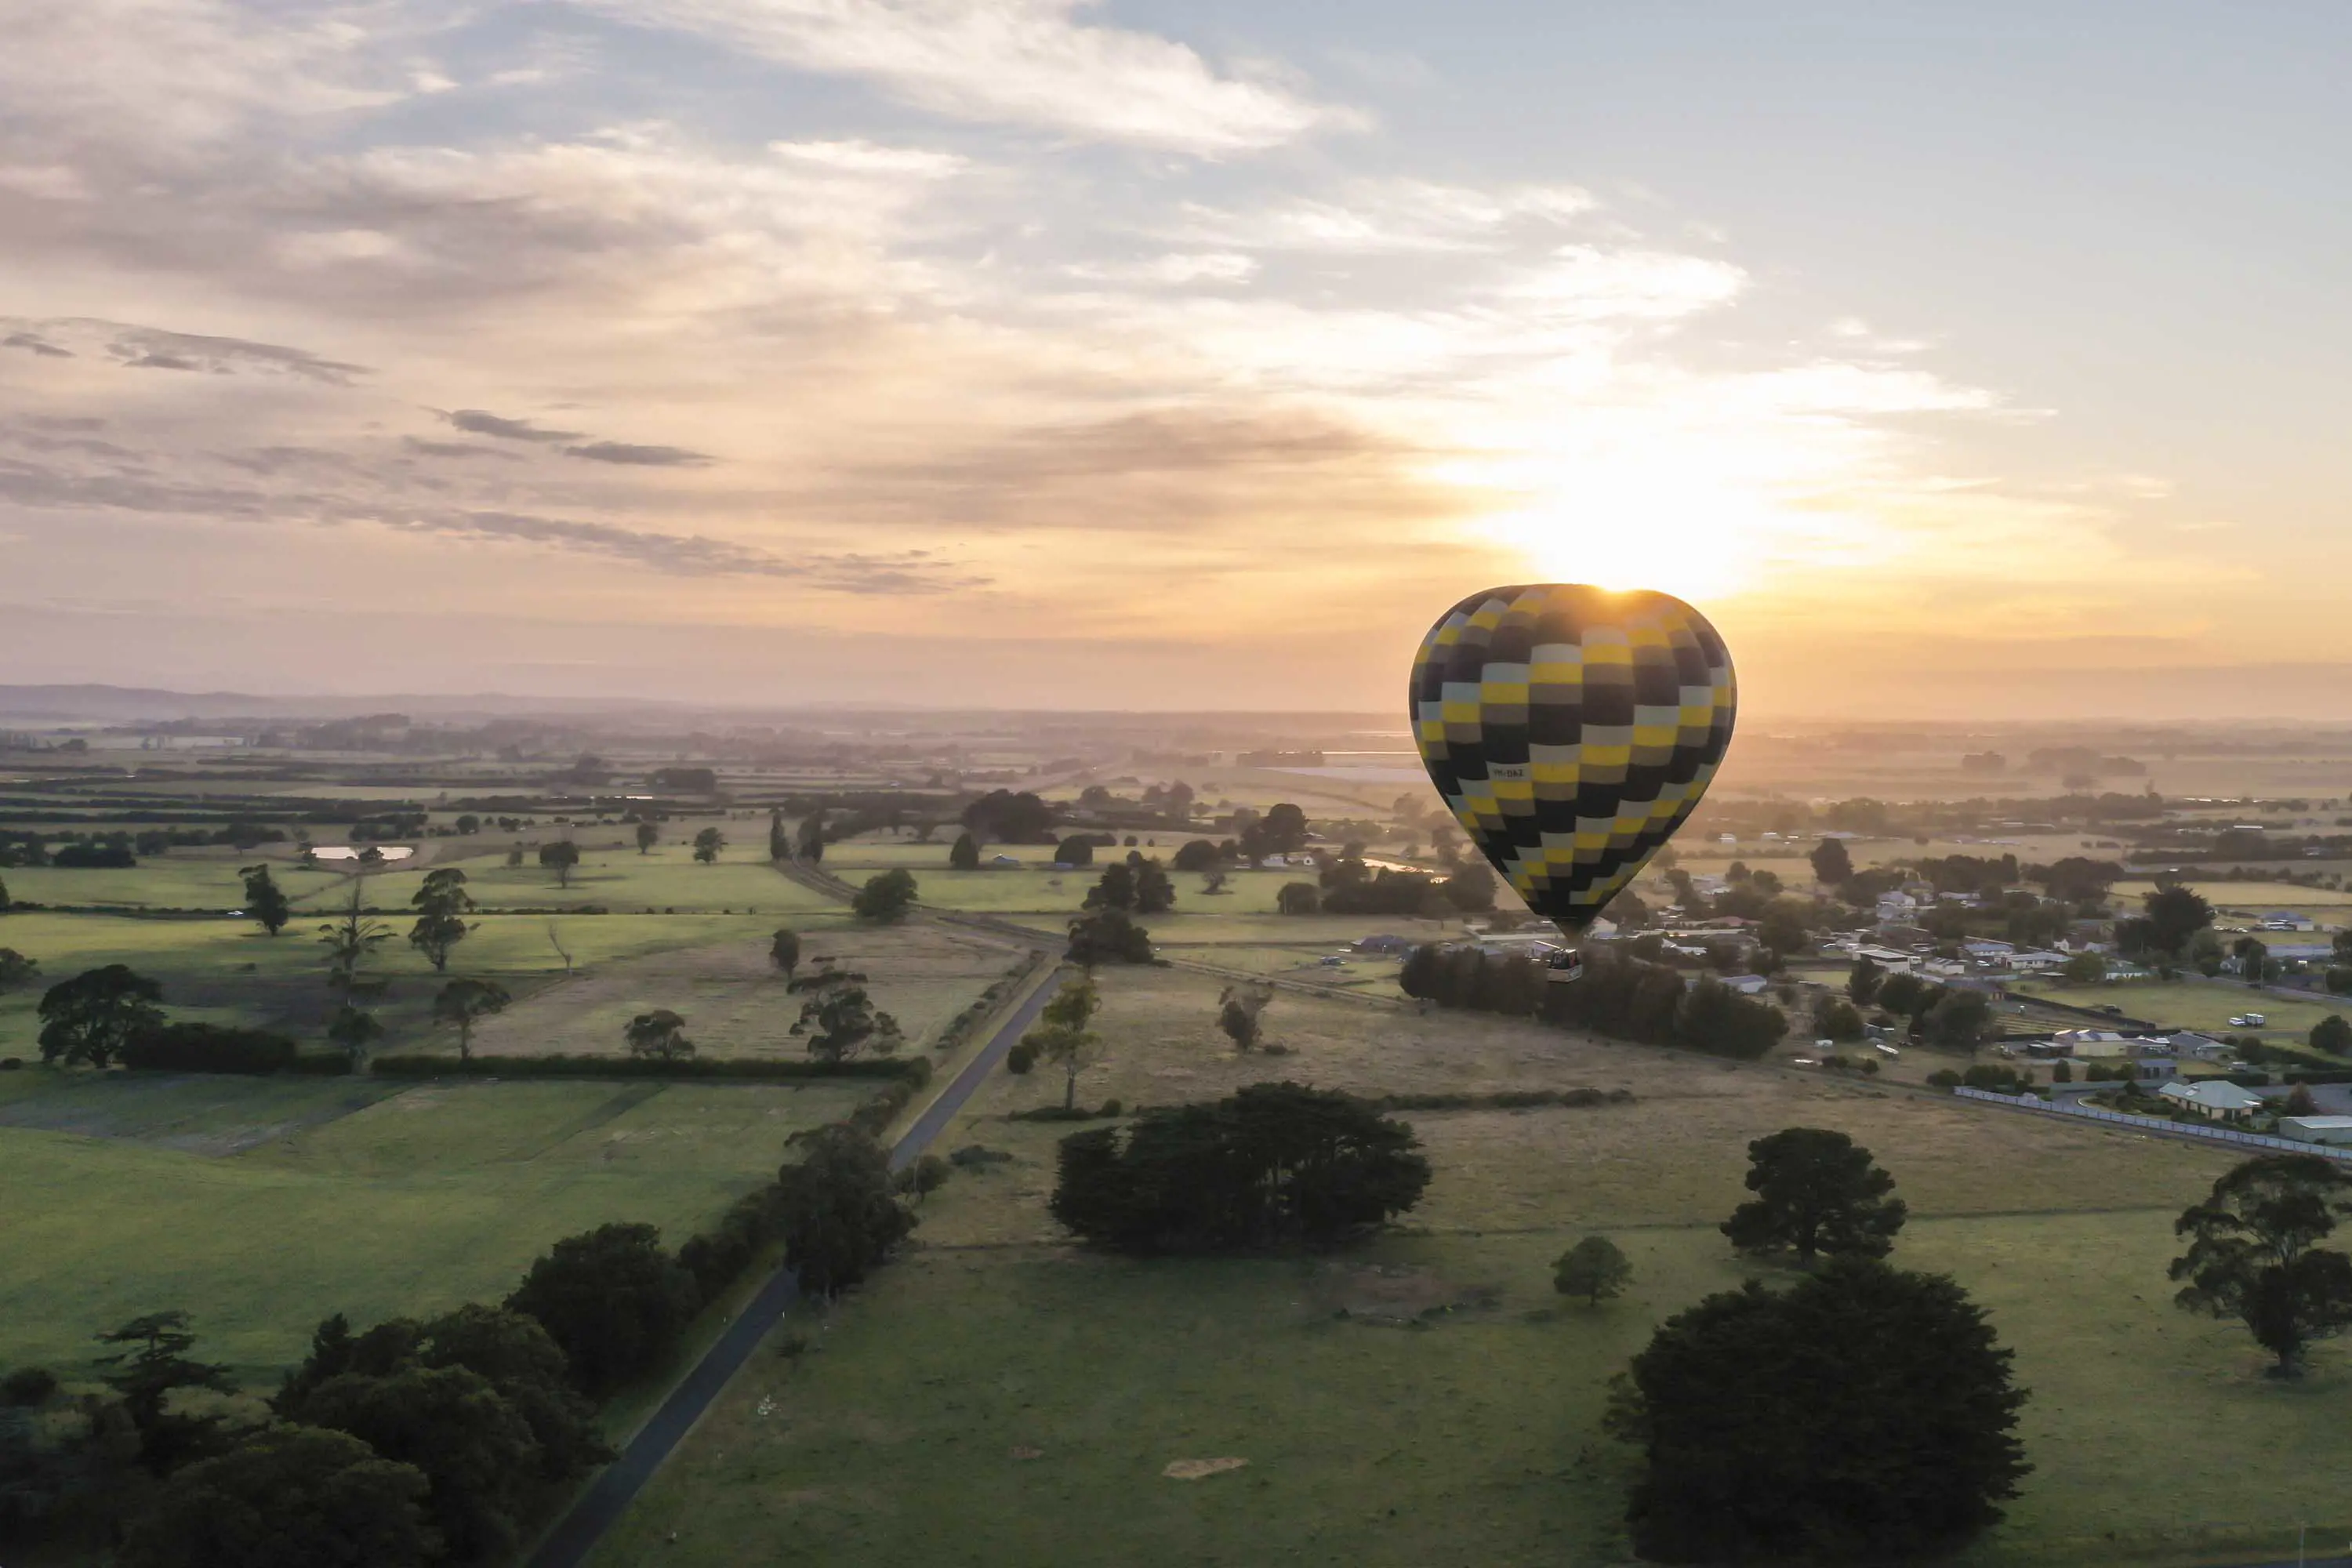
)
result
[(2215, 1098)]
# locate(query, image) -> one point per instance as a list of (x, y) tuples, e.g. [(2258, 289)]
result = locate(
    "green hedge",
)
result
[(416, 1064)]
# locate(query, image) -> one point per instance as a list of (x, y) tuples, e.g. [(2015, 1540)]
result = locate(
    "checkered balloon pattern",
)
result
[(1572, 729)]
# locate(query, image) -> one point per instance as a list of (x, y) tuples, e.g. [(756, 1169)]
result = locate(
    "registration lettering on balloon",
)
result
[(1572, 729)]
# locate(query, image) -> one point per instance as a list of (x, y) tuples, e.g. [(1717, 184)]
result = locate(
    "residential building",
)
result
[(2218, 1099)]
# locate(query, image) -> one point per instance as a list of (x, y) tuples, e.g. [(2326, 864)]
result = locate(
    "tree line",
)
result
[(1620, 995)]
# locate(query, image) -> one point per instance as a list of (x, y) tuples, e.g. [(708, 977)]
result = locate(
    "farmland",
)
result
[(999, 1393)]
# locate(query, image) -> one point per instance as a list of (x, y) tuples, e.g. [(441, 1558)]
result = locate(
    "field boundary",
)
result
[(2263, 1141), (593, 1512)]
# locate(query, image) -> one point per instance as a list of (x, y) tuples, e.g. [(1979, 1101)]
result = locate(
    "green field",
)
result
[(1474, 1439), (2191, 1003), (424, 1198), (610, 875), (1000, 1396)]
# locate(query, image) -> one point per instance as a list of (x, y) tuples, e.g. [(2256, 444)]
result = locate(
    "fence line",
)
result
[(2149, 1124)]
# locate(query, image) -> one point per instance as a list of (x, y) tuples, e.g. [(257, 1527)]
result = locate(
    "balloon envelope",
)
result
[(1573, 730)]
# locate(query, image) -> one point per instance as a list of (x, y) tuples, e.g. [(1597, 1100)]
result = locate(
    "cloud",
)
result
[(43, 486), (481, 422), (458, 449), (153, 348), (1023, 62), (641, 456), (33, 345), (1176, 270), (1388, 216)]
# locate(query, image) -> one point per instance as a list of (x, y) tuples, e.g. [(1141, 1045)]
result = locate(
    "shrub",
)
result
[(1020, 1059), (28, 1386), (210, 1047)]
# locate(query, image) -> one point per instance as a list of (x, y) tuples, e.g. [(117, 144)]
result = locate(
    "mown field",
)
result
[(262, 1206), (2191, 1004), (1002, 1396)]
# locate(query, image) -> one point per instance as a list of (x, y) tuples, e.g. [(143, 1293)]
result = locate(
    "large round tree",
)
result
[(1865, 1414)]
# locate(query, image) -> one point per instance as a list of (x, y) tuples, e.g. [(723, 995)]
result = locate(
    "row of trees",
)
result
[(1619, 995)]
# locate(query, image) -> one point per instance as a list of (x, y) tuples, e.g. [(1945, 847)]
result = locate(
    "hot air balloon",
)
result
[(1572, 729)]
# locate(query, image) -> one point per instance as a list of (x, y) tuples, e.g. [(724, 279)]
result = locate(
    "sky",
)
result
[(1958, 362)]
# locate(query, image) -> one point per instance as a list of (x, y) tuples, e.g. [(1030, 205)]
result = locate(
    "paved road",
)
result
[(599, 1508)]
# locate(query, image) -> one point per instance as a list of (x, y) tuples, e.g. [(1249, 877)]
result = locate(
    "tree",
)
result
[(350, 939), (1276, 1165), (510, 1352), (1241, 1012), (1077, 849), (441, 903), (660, 1034), (963, 855), (707, 846), (2253, 1254), (148, 1376), (265, 901), (353, 1031), (780, 838), (838, 1213), (1298, 899), (841, 1022), (1866, 1414), (1837, 1019), (648, 834), (475, 1450), (1863, 981), (809, 841), (1593, 1269), (1905, 995), (919, 1181), (1959, 1019), (2332, 1035), (1470, 889), (1063, 1035), (611, 1300), (462, 1002), (16, 970), (287, 1497), (559, 856), (784, 950), (1154, 893), (90, 1018), (2083, 969), (1832, 866), (1107, 936), (2302, 1102), (1001, 817), (886, 897), (1816, 1191), (1196, 855), (2170, 917), (2253, 956), (1282, 830)]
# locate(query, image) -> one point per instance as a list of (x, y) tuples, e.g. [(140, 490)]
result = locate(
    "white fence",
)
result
[(2149, 1124)]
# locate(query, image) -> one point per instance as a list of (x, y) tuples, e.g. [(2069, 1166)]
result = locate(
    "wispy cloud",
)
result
[(481, 422), (1023, 62), (632, 455)]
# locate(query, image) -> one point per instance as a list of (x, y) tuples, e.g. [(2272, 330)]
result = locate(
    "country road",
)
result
[(598, 1509)]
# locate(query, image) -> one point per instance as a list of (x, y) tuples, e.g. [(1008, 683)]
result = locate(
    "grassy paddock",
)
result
[(423, 1199), (1018, 1405)]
